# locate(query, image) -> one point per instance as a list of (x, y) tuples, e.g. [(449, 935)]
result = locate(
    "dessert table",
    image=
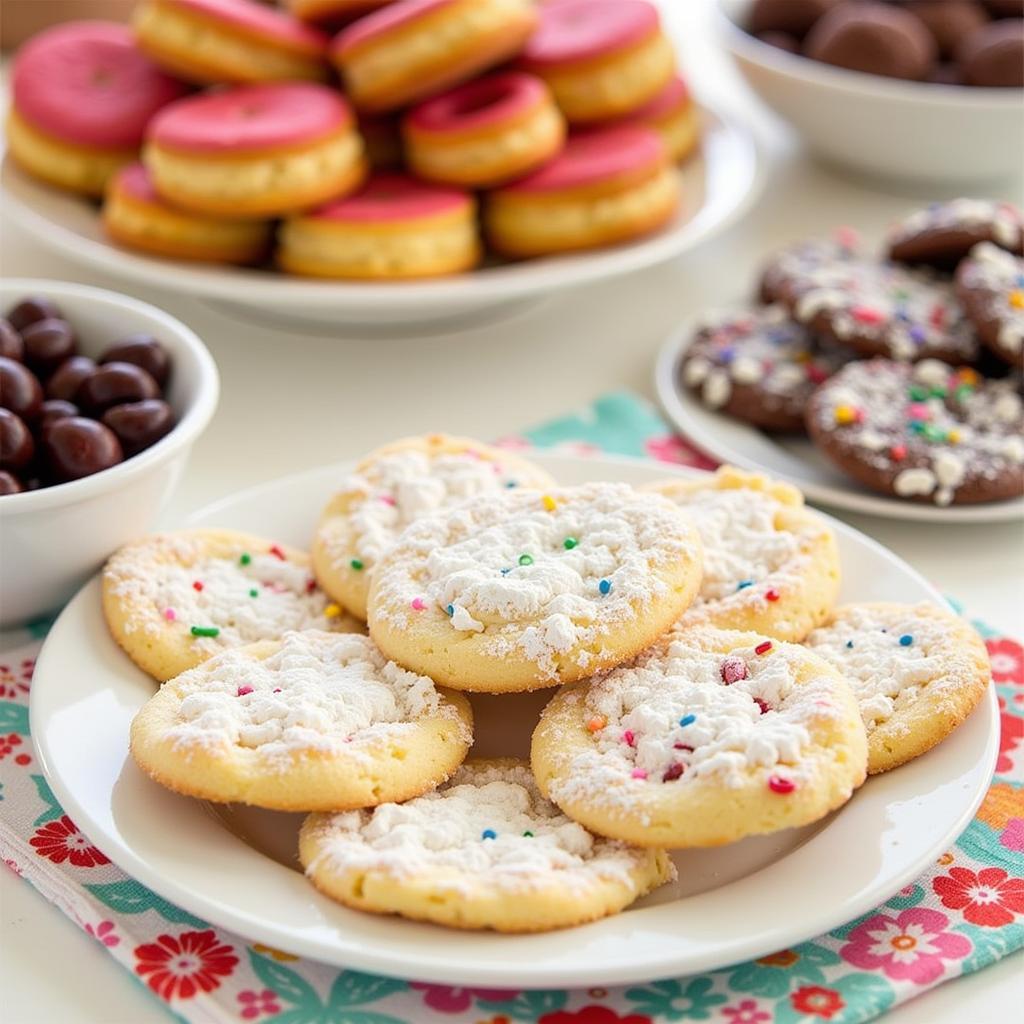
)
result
[(291, 401)]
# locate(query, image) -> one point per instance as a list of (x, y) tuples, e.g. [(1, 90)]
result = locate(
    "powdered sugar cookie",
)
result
[(942, 234), (713, 736), (521, 590), (771, 565), (917, 671), (173, 600), (484, 851), (925, 432), (990, 283), (878, 308), (758, 366), (394, 486), (313, 721)]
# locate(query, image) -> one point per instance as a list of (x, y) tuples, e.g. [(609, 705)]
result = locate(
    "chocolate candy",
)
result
[(31, 309), (16, 444), (139, 424), (794, 17), (77, 447), (875, 38), (20, 391), (142, 350), (68, 376), (781, 41), (11, 345), (54, 409), (949, 21), (9, 483), (47, 344), (113, 383), (993, 56)]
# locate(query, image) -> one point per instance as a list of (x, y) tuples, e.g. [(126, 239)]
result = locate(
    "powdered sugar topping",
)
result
[(489, 827), (323, 692)]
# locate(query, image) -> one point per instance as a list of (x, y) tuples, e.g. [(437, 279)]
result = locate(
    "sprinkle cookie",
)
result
[(394, 486), (925, 432), (942, 234), (990, 283), (315, 721), (758, 366), (484, 851), (917, 672), (521, 590), (173, 600), (714, 736), (879, 309), (771, 565)]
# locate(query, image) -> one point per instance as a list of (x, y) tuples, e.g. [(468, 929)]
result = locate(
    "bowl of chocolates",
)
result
[(919, 91), (101, 400)]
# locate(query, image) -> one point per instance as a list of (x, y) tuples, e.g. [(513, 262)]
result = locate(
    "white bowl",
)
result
[(718, 185), (53, 539), (882, 127)]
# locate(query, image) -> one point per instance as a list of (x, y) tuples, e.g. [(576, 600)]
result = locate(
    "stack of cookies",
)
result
[(904, 369), (709, 689), (363, 140)]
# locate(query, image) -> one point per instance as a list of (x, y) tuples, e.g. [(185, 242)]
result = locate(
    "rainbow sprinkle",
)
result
[(204, 631), (763, 648), (673, 771), (243, 690), (687, 720), (356, 564), (170, 614), (332, 611), (906, 640), (549, 503), (419, 604), (244, 558), (488, 833), (597, 723), (605, 586), (525, 559), (569, 543), (777, 784)]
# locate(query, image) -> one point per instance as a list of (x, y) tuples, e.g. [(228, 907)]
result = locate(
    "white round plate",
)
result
[(793, 458), (718, 185), (236, 867)]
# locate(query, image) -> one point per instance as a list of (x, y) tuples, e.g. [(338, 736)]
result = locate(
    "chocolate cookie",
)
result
[(949, 21), (794, 17), (877, 308), (993, 55), (926, 432), (758, 366), (875, 38), (990, 284), (942, 234)]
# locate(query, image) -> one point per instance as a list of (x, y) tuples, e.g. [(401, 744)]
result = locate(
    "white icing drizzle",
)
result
[(887, 676), (322, 692), (499, 566), (247, 594), (640, 711), (442, 834)]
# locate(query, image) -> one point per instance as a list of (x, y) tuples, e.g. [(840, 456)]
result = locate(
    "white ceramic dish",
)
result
[(53, 539), (718, 185), (793, 458), (882, 127), (235, 867)]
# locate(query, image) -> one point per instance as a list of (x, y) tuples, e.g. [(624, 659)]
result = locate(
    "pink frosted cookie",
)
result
[(925, 432), (395, 227), (674, 116), (255, 150), (484, 132), (710, 737), (135, 215), (414, 48), (608, 185), (216, 41), (990, 284), (82, 96), (875, 307), (602, 58)]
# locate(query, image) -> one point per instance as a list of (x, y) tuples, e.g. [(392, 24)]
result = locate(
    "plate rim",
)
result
[(534, 278), (433, 967), (676, 404)]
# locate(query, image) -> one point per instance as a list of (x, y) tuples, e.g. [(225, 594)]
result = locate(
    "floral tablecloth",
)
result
[(964, 913)]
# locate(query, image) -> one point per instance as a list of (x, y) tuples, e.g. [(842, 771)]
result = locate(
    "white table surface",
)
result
[(291, 402)]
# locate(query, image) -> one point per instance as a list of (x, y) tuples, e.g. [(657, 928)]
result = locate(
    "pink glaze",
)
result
[(593, 156), (387, 198), (259, 20), (86, 82), (134, 180), (577, 30), (251, 118), (675, 96), (381, 22), (485, 103)]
